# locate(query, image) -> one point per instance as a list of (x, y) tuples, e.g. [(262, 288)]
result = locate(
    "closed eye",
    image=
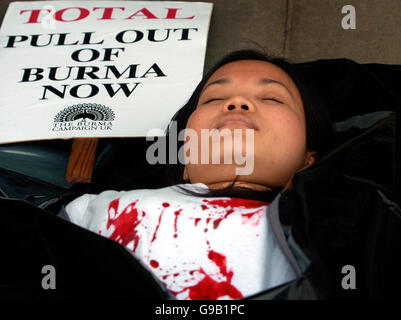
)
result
[(212, 99), (273, 99)]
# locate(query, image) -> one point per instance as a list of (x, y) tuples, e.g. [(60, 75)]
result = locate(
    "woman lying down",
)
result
[(214, 232)]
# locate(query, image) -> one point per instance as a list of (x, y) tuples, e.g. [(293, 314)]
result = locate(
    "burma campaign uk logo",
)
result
[(86, 116)]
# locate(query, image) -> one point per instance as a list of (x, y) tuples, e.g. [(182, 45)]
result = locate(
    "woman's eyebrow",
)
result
[(218, 81), (264, 81)]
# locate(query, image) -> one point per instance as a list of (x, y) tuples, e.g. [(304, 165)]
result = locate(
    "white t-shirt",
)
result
[(199, 248)]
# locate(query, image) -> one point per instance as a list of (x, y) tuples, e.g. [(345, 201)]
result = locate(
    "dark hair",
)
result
[(319, 133)]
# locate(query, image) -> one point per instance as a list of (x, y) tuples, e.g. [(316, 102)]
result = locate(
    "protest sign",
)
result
[(74, 69)]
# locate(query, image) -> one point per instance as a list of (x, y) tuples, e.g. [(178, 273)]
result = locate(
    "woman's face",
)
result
[(257, 95)]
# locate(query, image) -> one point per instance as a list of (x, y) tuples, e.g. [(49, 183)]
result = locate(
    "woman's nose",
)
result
[(238, 104)]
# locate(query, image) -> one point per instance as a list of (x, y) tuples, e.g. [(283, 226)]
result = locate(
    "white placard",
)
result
[(98, 68)]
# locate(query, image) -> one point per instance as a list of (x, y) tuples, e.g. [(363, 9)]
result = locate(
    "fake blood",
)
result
[(236, 202), (125, 223), (165, 205), (210, 289), (232, 203), (217, 221), (253, 217), (154, 264), (176, 213)]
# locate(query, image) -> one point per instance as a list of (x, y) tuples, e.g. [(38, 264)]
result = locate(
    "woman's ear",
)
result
[(185, 175), (310, 158)]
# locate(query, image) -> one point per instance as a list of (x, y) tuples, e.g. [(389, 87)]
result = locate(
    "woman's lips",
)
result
[(236, 120)]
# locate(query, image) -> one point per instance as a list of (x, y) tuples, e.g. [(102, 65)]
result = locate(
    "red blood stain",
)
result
[(251, 218), (196, 221), (154, 264), (165, 205), (232, 203), (204, 207), (177, 213), (220, 261), (210, 289), (236, 202), (217, 221), (125, 223)]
